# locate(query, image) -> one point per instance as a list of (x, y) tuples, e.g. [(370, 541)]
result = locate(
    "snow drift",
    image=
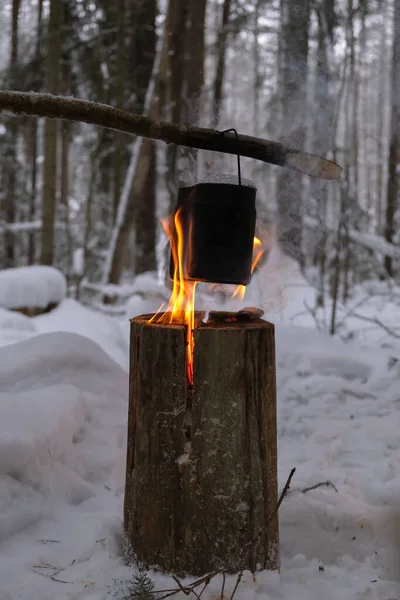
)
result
[(33, 287)]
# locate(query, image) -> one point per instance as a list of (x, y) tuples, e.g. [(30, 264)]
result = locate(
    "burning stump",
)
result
[(201, 482)]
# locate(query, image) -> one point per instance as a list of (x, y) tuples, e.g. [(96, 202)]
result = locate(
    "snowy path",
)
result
[(63, 409)]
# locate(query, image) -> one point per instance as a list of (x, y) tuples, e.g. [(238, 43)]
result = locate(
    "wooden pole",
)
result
[(201, 481), (103, 115)]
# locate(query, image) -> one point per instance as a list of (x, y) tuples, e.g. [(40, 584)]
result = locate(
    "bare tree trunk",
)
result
[(32, 199), (135, 180), (322, 129), (177, 24), (195, 54), (145, 224), (336, 274), (143, 165), (293, 80), (10, 175), (146, 230), (34, 147), (394, 149), (380, 120), (119, 155), (257, 81), (64, 164), (194, 76), (49, 198), (354, 85), (221, 58), (94, 163)]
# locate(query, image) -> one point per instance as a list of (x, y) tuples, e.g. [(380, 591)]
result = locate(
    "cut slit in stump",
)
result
[(201, 481)]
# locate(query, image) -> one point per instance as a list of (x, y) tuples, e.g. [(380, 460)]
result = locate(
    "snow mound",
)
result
[(37, 426), (71, 316), (54, 358), (14, 320), (63, 406), (32, 287), (37, 434)]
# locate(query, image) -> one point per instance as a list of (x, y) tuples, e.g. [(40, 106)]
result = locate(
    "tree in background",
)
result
[(143, 55), (32, 137), (51, 128), (176, 30), (394, 145), (137, 205), (293, 72), (220, 67), (9, 167)]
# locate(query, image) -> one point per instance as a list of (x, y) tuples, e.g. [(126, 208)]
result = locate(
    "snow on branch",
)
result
[(375, 243), (26, 226), (103, 115)]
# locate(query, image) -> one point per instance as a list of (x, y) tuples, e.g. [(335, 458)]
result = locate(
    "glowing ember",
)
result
[(258, 251), (181, 303)]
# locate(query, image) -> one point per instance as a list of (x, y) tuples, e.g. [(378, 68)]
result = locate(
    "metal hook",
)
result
[(238, 153)]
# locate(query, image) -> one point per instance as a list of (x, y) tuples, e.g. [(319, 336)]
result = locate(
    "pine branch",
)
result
[(94, 113)]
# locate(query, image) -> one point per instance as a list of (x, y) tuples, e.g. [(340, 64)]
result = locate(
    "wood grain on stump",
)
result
[(201, 481)]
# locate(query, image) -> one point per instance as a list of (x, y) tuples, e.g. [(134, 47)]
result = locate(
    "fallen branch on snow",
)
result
[(318, 485), (103, 115)]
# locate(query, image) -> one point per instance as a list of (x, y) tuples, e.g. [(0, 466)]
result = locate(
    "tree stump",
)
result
[(201, 480)]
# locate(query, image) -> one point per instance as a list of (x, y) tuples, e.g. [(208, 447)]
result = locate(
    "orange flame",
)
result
[(258, 251), (181, 303)]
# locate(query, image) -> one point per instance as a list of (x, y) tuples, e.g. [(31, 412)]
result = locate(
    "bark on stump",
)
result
[(201, 480)]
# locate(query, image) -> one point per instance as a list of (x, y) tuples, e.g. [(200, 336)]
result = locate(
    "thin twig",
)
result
[(184, 590), (269, 521), (284, 491), (238, 580), (103, 115), (318, 485), (223, 585), (172, 593), (53, 578), (204, 578), (206, 583), (190, 588), (199, 595), (273, 514)]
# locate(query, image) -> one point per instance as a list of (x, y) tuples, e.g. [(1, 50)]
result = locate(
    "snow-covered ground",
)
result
[(63, 412)]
